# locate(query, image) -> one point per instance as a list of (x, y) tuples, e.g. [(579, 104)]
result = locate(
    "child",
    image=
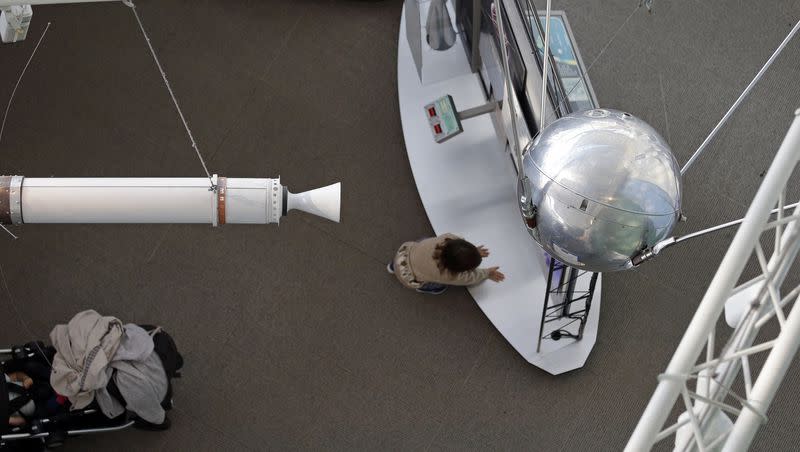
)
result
[(430, 265), (21, 380)]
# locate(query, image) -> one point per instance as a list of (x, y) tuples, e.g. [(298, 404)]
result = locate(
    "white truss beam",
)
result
[(706, 423)]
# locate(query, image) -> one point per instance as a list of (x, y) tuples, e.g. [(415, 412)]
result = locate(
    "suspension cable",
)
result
[(129, 3)]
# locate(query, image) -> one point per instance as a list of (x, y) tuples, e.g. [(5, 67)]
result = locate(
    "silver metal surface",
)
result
[(441, 35), (604, 185), (15, 199), (5, 199)]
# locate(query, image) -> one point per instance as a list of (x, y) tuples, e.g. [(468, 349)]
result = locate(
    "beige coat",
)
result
[(414, 265), (84, 348)]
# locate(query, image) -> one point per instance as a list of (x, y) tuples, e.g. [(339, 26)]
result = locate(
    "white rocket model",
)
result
[(159, 200)]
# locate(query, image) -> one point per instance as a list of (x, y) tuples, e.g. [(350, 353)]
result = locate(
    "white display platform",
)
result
[(468, 187)]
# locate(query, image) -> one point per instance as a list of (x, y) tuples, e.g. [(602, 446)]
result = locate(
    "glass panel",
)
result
[(535, 32), (568, 66), (568, 86)]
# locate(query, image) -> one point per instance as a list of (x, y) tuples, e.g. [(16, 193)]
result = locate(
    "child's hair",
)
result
[(457, 255)]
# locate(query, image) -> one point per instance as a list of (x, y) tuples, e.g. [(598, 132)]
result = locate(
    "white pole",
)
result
[(713, 302)]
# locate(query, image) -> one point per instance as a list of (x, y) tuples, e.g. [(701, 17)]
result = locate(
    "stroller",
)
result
[(48, 420)]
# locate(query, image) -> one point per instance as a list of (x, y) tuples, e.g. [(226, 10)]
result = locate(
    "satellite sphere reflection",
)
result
[(603, 185)]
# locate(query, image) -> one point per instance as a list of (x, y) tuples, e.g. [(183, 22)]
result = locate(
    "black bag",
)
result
[(166, 349), (164, 346)]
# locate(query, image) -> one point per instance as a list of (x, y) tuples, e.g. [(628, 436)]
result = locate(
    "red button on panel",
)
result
[(431, 112), (437, 128)]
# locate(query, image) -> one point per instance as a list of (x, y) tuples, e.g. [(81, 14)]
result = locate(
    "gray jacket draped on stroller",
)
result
[(92, 350)]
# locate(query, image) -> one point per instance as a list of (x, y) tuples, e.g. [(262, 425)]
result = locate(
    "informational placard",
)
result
[(443, 118)]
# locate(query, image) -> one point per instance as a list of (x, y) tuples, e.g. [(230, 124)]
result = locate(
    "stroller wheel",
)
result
[(54, 440)]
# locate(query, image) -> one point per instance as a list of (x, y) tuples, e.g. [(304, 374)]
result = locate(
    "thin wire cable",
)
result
[(13, 304), (171, 93), (613, 37), (741, 98), (19, 80), (9, 232)]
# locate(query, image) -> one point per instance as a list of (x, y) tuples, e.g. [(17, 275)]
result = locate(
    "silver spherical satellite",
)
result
[(601, 186)]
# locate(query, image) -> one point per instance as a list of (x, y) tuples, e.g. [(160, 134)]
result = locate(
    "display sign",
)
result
[(443, 118)]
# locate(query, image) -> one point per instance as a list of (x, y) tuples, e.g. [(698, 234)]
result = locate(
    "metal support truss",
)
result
[(567, 302), (730, 397)]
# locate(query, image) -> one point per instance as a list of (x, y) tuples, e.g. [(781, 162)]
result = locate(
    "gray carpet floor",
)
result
[(294, 336)]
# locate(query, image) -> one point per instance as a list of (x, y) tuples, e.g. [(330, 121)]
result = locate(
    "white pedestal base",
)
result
[(468, 187)]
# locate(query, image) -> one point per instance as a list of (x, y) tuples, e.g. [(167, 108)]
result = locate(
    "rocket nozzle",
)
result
[(323, 202)]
